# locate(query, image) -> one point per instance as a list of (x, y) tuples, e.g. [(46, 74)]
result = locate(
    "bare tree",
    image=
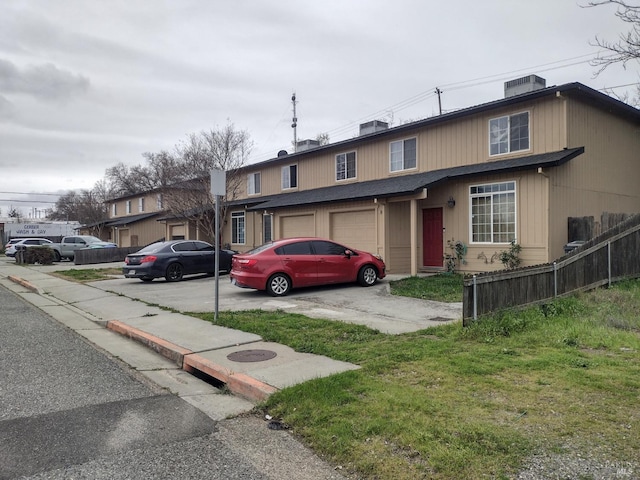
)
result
[(89, 207), (627, 47), (225, 149)]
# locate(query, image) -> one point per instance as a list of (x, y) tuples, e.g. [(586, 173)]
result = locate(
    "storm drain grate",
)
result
[(440, 319), (251, 355)]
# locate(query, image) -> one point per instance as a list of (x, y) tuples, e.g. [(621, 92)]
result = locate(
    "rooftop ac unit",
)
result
[(526, 84), (303, 145), (373, 127)]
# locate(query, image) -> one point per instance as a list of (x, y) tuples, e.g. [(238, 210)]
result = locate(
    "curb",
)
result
[(24, 283), (237, 383)]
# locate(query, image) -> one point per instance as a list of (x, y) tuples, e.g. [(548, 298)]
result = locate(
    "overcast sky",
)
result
[(86, 84)]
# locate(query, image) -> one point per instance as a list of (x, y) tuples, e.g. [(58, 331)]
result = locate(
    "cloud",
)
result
[(44, 82), (7, 109)]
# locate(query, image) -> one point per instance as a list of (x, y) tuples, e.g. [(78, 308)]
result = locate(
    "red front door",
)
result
[(432, 237)]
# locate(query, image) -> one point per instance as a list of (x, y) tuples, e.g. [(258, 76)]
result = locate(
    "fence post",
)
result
[(555, 279), (609, 261), (475, 299)]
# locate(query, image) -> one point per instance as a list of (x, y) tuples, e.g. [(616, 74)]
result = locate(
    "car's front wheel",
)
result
[(56, 256), (367, 276), (174, 272), (279, 285)]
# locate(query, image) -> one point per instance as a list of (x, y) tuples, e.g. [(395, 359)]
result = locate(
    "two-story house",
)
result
[(134, 219), (513, 169)]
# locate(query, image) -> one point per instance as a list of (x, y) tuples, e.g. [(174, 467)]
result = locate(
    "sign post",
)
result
[(218, 189)]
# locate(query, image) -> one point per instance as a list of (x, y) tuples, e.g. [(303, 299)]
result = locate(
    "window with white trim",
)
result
[(509, 133), (114, 209), (237, 228), (493, 212), (345, 166), (289, 176), (267, 228), (141, 204), (253, 183), (159, 201), (128, 207), (402, 155)]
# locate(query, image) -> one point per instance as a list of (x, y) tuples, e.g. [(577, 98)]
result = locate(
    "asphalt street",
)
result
[(69, 410)]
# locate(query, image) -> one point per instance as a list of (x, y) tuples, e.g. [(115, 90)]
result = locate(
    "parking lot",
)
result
[(373, 306)]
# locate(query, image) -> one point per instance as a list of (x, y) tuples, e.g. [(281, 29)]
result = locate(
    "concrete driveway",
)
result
[(373, 306)]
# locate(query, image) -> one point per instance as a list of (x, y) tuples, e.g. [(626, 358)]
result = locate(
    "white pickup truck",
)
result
[(68, 246)]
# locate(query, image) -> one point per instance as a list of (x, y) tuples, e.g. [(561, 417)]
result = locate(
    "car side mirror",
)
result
[(348, 253)]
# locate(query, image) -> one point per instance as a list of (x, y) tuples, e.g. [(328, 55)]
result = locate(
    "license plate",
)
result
[(132, 272)]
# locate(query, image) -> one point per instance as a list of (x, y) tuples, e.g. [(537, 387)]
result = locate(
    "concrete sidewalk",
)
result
[(249, 367)]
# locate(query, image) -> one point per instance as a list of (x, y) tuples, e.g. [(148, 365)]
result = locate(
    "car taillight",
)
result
[(149, 259), (246, 262)]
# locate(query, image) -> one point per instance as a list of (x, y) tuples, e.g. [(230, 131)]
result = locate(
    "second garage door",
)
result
[(355, 229), (297, 226)]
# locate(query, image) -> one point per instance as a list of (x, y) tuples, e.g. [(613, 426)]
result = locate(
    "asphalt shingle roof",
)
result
[(117, 222)]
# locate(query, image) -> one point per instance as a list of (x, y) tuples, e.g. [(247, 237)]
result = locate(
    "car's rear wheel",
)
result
[(56, 256), (279, 285), (367, 276), (174, 272)]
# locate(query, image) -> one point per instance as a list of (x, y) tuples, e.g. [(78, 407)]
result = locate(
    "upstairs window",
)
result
[(402, 155), (114, 210), (253, 183), (159, 201), (141, 204), (345, 166), (128, 207), (509, 133), (289, 176), (493, 212)]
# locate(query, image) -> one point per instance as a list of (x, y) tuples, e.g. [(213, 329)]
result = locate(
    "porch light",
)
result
[(451, 202)]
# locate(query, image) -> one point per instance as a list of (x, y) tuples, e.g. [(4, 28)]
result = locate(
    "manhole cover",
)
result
[(251, 355), (440, 319)]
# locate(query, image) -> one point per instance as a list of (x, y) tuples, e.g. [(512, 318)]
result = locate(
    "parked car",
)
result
[(174, 259), (11, 242), (279, 266), (69, 244), (10, 249)]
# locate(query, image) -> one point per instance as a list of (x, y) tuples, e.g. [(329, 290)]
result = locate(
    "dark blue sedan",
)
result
[(174, 259)]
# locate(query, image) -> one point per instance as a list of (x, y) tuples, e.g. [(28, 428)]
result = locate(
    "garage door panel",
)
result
[(355, 229), (297, 226)]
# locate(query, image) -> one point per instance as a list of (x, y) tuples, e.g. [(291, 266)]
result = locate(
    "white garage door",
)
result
[(355, 229), (297, 226)]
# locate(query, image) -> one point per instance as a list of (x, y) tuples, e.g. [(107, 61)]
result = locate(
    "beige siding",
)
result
[(603, 179)]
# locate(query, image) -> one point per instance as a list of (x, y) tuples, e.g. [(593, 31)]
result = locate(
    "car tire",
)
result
[(367, 276), (278, 285), (174, 272), (56, 256)]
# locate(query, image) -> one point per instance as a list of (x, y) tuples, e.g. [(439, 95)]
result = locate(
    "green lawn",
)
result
[(453, 402)]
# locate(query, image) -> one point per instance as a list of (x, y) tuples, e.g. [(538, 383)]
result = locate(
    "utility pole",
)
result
[(438, 91), (294, 123)]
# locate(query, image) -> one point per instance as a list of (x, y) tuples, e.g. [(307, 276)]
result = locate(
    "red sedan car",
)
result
[(281, 265)]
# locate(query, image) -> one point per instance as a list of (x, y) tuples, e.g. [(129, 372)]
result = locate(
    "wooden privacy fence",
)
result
[(610, 257), (87, 256)]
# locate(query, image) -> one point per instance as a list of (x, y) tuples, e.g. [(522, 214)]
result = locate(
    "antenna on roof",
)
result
[(294, 123)]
